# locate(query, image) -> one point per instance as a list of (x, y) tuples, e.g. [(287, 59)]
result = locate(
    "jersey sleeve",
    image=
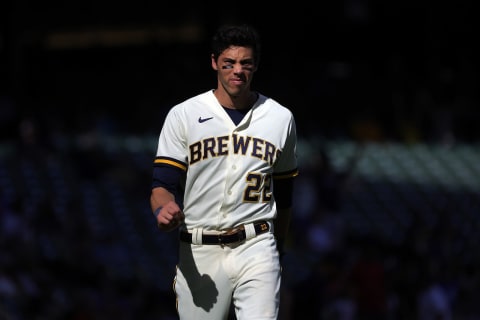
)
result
[(287, 164), (172, 143)]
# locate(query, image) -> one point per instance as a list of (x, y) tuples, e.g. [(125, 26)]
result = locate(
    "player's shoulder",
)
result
[(183, 108), (273, 105), (201, 98)]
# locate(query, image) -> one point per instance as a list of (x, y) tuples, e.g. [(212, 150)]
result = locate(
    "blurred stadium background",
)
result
[(387, 207)]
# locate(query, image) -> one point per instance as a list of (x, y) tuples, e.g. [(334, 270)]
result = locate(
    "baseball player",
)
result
[(223, 175)]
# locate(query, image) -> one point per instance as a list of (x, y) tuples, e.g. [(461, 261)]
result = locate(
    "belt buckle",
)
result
[(241, 235), (240, 232), (237, 231)]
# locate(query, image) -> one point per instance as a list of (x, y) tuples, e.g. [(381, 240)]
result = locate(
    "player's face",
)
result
[(235, 68)]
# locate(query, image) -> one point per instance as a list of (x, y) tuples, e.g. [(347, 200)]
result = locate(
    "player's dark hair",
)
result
[(236, 35)]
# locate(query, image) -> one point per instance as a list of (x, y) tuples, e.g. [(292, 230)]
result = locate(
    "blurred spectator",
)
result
[(433, 302), (467, 306), (368, 280)]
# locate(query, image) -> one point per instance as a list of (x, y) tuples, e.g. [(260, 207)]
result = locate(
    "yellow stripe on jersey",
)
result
[(170, 162), (286, 175)]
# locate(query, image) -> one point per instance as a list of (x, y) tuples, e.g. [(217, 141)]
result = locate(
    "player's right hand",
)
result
[(170, 217)]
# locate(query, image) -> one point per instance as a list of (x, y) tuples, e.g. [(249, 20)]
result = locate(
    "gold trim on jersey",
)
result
[(285, 175), (170, 162)]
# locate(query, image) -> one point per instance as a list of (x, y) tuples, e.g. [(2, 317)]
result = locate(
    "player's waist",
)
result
[(226, 236)]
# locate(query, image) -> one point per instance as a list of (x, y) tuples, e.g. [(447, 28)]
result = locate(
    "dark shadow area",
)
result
[(387, 207)]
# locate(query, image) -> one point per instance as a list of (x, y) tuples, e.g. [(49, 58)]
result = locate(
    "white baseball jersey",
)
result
[(229, 167)]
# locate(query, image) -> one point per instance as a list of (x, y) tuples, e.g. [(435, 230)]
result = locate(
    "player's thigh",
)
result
[(202, 287), (257, 293)]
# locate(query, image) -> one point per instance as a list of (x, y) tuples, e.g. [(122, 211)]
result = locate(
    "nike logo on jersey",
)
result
[(200, 120)]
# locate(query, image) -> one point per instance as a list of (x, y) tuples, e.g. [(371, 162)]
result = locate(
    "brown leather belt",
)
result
[(231, 236)]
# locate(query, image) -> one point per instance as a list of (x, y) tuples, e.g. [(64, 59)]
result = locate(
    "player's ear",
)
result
[(214, 62)]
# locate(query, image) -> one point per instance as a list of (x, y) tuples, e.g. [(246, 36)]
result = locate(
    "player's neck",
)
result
[(240, 102)]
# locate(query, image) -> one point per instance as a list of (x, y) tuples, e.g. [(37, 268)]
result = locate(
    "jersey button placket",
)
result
[(230, 192), (229, 185)]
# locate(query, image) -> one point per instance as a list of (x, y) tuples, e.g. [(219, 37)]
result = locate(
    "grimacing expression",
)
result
[(235, 67)]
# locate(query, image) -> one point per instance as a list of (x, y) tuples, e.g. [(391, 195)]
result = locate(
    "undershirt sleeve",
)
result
[(167, 177), (283, 192)]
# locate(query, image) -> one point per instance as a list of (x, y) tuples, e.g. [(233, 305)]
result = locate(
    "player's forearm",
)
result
[(282, 223), (160, 197), (281, 227)]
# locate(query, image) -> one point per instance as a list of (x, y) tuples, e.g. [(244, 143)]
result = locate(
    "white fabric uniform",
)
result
[(229, 182)]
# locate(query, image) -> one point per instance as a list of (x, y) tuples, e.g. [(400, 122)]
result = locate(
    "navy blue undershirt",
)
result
[(236, 114)]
